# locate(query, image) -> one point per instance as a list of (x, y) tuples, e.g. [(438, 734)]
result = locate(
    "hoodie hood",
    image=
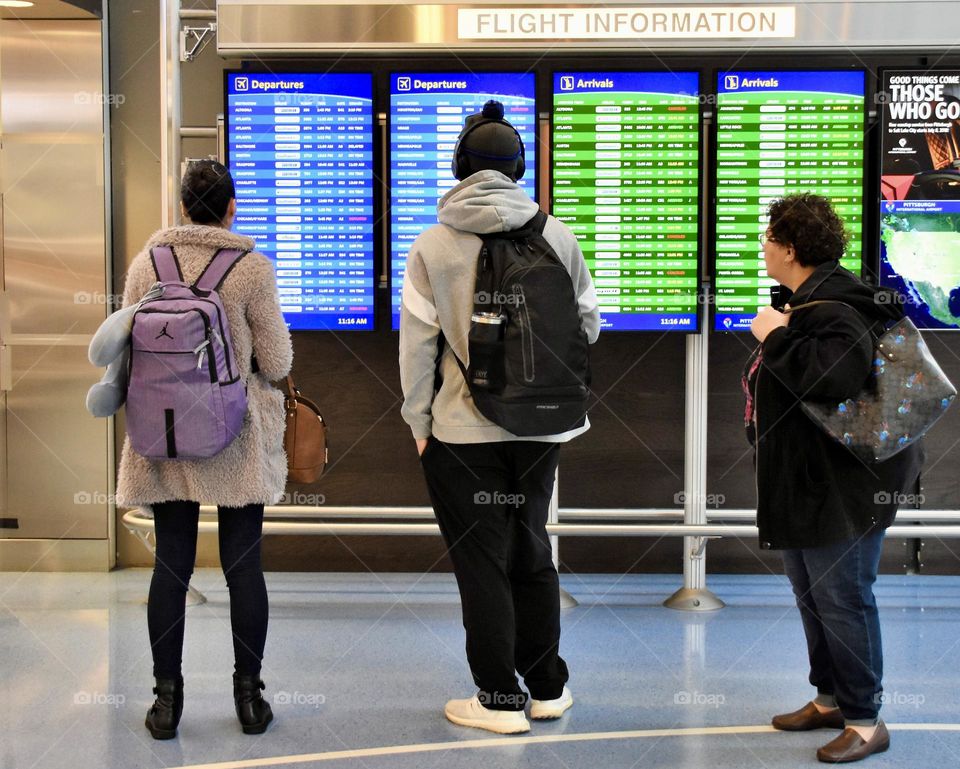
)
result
[(485, 202), (832, 281)]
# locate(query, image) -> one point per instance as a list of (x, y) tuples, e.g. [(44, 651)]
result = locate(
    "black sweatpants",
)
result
[(491, 501)]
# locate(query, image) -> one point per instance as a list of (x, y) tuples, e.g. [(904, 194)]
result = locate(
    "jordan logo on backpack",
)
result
[(163, 332)]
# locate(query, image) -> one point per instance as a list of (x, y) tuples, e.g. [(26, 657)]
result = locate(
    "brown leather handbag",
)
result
[(304, 438)]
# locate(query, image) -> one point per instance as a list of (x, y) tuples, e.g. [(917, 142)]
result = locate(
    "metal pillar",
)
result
[(171, 117), (694, 596)]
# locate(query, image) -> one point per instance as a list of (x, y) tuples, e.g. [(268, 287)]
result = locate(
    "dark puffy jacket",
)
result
[(811, 491)]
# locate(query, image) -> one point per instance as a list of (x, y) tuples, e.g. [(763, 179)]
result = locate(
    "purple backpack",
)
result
[(185, 398)]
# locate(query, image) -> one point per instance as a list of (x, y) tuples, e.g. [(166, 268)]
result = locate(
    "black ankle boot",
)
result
[(164, 716), (252, 709)]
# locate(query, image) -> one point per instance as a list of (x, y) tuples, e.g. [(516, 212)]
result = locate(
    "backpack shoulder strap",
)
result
[(538, 222), (218, 268), (165, 264), (437, 373)]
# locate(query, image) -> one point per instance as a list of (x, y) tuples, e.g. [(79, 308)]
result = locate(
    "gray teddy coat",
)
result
[(252, 469)]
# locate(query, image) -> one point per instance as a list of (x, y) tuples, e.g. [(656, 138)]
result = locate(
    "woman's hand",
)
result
[(766, 321), (421, 445)]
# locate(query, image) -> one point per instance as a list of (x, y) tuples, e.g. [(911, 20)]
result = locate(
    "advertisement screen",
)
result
[(427, 111), (300, 150), (626, 150), (920, 194), (780, 133)]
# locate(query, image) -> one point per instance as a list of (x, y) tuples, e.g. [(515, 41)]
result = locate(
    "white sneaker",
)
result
[(471, 713), (543, 709)]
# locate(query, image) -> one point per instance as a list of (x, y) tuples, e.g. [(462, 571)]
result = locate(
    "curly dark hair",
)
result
[(809, 224), (206, 191)]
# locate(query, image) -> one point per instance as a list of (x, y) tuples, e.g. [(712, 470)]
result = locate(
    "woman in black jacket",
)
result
[(816, 501)]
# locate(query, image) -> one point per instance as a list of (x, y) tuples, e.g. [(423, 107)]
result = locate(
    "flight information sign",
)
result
[(780, 133), (626, 150), (427, 111), (300, 150)]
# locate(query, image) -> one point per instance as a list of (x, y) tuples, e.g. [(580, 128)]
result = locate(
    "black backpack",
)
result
[(529, 367)]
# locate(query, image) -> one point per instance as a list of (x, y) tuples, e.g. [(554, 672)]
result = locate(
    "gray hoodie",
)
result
[(438, 291)]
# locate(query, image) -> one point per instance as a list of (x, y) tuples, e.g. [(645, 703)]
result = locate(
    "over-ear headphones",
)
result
[(492, 113)]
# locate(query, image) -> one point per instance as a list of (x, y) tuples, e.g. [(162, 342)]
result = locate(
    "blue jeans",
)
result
[(833, 586)]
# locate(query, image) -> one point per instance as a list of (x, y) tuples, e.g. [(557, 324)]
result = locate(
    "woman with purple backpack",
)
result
[(252, 344)]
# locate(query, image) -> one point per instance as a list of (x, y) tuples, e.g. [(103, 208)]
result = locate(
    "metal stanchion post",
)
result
[(694, 596)]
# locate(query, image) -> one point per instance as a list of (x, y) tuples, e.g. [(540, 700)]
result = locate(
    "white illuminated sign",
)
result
[(625, 22)]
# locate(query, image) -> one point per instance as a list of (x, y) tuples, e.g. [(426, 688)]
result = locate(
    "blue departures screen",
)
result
[(626, 150), (300, 148), (427, 111)]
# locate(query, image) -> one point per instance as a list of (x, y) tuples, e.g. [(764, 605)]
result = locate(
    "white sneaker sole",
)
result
[(548, 714), (490, 726)]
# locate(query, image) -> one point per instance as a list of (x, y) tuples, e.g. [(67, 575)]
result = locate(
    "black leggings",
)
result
[(240, 531)]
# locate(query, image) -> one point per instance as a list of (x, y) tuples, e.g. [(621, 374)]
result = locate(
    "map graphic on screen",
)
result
[(427, 111), (779, 133), (300, 150), (626, 150), (920, 191)]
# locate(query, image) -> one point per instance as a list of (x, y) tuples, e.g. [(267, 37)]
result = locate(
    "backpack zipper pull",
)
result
[(201, 351)]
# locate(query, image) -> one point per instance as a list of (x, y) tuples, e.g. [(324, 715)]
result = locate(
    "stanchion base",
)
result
[(195, 597), (567, 601), (690, 599)]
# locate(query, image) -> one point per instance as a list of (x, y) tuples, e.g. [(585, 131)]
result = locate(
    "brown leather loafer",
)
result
[(808, 718), (850, 746)]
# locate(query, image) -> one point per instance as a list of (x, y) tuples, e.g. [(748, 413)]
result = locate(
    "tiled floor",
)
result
[(364, 662)]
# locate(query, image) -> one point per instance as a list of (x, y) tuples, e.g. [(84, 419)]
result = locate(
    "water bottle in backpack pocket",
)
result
[(185, 397)]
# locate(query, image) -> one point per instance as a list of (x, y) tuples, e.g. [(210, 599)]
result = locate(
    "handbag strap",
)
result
[(815, 302), (871, 326), (292, 393)]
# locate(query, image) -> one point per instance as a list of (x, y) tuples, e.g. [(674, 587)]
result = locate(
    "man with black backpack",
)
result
[(498, 310)]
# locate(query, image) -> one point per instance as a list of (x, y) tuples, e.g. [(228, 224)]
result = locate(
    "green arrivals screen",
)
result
[(626, 181), (780, 133)]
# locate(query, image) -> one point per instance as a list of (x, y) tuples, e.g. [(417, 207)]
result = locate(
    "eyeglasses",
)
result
[(763, 238)]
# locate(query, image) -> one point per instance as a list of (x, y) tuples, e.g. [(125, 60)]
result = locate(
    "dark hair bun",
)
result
[(493, 110)]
